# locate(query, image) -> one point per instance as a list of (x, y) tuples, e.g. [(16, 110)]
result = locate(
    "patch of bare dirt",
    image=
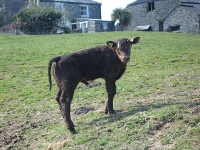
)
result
[(90, 85), (12, 132), (83, 110), (155, 138), (59, 145)]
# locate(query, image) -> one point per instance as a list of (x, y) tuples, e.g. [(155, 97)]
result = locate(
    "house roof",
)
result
[(160, 12), (140, 1), (78, 1), (190, 1), (167, 8), (193, 5)]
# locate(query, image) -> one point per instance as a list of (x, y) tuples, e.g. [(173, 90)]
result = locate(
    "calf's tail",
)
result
[(55, 59)]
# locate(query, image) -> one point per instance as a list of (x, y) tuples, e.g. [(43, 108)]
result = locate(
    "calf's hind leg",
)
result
[(65, 101), (57, 76), (57, 97)]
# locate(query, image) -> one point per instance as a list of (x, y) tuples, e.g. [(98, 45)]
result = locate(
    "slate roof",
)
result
[(77, 1), (193, 5), (165, 10), (162, 12), (190, 1), (140, 1)]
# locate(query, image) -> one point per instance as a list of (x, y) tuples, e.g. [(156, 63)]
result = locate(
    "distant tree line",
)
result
[(2, 13), (8, 8)]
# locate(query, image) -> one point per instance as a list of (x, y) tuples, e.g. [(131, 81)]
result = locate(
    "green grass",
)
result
[(157, 103)]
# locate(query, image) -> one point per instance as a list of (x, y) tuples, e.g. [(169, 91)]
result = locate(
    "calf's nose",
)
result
[(125, 59)]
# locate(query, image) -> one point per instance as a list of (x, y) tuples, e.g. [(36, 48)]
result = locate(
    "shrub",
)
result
[(37, 20)]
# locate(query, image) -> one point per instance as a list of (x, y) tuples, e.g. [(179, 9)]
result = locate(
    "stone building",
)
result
[(77, 8), (166, 15), (84, 15)]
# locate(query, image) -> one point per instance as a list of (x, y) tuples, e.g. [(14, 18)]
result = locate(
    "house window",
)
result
[(175, 28), (151, 6), (84, 11), (59, 6)]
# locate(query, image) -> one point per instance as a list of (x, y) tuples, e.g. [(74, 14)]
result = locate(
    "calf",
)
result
[(107, 61)]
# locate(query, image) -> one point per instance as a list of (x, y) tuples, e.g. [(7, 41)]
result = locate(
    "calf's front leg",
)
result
[(111, 90)]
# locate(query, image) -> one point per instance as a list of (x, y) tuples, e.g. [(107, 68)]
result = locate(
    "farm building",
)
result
[(166, 15), (86, 15)]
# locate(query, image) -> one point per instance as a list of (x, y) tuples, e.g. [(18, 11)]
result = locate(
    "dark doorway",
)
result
[(161, 26)]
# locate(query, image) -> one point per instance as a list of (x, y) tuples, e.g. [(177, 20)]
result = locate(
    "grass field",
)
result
[(157, 103)]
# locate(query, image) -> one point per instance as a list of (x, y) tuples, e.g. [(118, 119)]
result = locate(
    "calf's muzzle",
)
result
[(126, 59)]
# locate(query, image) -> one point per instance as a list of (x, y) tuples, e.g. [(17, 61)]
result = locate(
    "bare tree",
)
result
[(2, 13), (32, 2), (10, 7)]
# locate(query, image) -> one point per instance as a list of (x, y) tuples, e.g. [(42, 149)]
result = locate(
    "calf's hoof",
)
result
[(72, 130), (109, 112)]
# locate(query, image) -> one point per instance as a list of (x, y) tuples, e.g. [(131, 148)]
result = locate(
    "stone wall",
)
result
[(75, 9), (99, 26), (95, 11), (96, 25), (164, 7), (91, 26), (47, 4), (188, 21), (142, 17)]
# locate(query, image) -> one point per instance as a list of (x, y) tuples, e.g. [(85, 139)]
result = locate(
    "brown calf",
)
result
[(107, 61)]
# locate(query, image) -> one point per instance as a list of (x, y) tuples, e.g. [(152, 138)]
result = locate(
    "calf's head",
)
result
[(122, 48)]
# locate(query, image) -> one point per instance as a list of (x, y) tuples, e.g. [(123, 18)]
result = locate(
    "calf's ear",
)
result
[(111, 44), (135, 40)]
